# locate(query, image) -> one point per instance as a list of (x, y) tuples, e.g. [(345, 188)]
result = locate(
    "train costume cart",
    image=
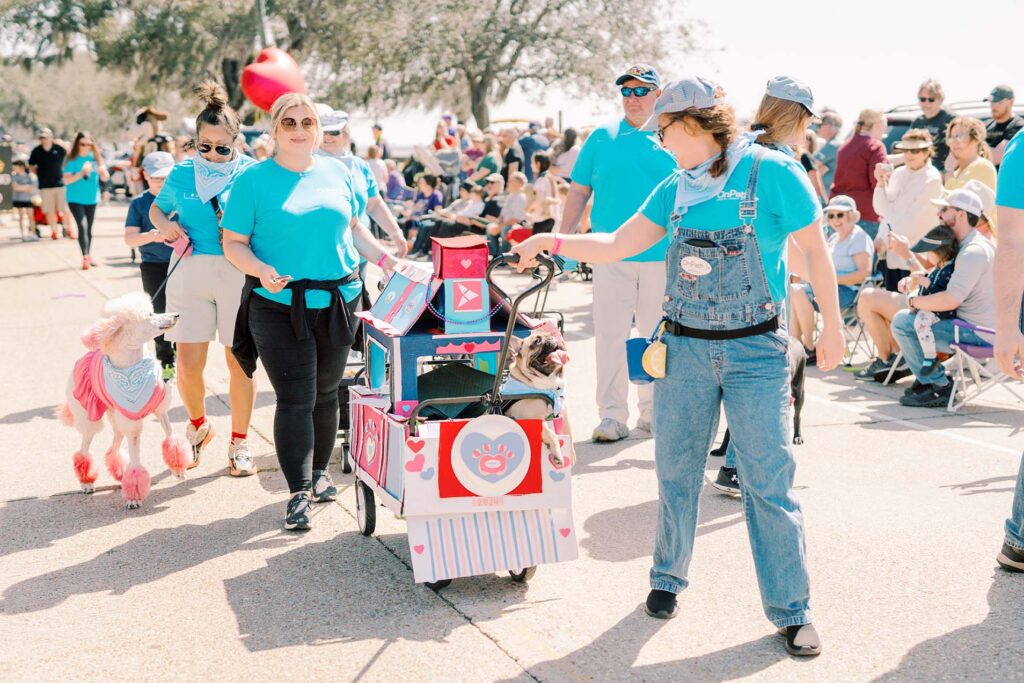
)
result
[(477, 489)]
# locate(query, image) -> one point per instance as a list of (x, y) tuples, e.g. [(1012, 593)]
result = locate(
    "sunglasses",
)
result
[(289, 124), (913, 151), (836, 214), (927, 99), (661, 131), (960, 137), (332, 133), (637, 91), (206, 147)]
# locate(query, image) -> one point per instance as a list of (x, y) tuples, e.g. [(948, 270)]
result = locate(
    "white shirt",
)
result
[(904, 207), (380, 171)]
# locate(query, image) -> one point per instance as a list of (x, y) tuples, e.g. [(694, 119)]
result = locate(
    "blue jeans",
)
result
[(1015, 523), (750, 376), (906, 337)]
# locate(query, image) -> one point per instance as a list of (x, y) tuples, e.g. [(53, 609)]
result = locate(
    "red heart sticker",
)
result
[(273, 74), (469, 347), (565, 532), (419, 549), (415, 445)]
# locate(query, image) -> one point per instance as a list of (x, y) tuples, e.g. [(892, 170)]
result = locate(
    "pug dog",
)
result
[(537, 366)]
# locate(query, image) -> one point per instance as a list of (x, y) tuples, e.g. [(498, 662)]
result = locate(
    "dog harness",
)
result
[(134, 391), (513, 387)]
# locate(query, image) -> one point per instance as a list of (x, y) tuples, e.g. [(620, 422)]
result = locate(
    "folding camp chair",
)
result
[(974, 371), (854, 332)]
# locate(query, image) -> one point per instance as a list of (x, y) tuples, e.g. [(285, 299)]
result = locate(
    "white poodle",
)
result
[(118, 378)]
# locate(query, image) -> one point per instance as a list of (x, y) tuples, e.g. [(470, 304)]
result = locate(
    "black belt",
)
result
[(679, 330)]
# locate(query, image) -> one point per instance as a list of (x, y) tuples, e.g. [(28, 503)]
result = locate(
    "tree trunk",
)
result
[(231, 70), (478, 103)]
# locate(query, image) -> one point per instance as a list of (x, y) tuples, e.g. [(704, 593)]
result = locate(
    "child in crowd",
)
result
[(940, 248), (24, 187), (428, 197), (140, 233), (513, 212), (469, 204), (396, 191)]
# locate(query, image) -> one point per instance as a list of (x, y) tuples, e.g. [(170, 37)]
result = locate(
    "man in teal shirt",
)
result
[(619, 166)]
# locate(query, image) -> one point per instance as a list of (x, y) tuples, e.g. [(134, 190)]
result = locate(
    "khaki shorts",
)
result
[(205, 290), (53, 199)]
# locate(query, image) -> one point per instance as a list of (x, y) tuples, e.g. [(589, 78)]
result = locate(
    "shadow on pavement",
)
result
[(987, 651), (40, 522), (44, 412), (590, 454), (612, 657), (218, 406), (973, 488)]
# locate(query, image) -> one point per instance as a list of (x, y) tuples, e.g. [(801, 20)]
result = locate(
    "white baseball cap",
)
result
[(962, 199), (986, 194)]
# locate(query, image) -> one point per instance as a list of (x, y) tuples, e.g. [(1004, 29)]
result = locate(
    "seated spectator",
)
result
[(469, 204), (512, 157), (1004, 124), (489, 160), (564, 152), (377, 165), (428, 197), (968, 154), (855, 165), (969, 294), (512, 213), (466, 223), (938, 248), (443, 139), (901, 198), (852, 255), (397, 190), (542, 211)]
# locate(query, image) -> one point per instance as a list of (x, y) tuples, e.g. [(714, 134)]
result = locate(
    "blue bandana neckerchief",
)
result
[(213, 177), (696, 185)]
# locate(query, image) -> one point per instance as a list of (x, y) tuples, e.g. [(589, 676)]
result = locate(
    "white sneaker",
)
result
[(240, 462), (198, 438), (610, 430)]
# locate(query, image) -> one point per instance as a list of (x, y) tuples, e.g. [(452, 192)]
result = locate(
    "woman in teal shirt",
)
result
[(293, 227), (204, 289), (83, 173)]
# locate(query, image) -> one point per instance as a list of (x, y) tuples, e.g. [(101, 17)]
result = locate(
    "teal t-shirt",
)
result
[(1010, 185), (298, 223), (785, 203), (199, 220), (365, 183), (622, 165), (84, 190)]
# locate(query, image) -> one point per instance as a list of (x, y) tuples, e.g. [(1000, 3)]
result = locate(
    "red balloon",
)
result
[(273, 74)]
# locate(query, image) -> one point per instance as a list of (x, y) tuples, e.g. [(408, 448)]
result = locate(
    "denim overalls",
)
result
[(725, 288)]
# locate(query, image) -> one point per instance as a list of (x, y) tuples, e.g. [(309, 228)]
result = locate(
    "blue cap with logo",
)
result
[(158, 164), (786, 88), (640, 72), (692, 92), (1000, 93)]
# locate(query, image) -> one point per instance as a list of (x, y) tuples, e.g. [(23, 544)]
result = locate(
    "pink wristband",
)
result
[(380, 261), (558, 246)]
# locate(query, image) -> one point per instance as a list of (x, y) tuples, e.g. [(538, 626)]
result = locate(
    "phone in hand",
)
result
[(282, 279)]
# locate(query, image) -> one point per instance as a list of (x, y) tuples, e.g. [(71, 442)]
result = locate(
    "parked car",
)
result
[(901, 117)]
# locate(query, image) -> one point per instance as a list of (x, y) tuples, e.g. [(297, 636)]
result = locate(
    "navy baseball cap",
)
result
[(692, 92), (786, 88), (640, 72)]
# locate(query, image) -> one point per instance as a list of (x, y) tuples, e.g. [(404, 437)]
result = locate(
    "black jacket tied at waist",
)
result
[(339, 324)]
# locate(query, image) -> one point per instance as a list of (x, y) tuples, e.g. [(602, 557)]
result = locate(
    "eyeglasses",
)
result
[(637, 91), (332, 133), (288, 123), (205, 147), (661, 131), (836, 214), (927, 99), (960, 137)]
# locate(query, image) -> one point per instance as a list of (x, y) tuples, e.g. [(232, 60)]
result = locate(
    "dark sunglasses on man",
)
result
[(637, 91), (927, 99)]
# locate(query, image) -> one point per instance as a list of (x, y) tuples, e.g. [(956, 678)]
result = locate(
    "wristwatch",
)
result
[(910, 302)]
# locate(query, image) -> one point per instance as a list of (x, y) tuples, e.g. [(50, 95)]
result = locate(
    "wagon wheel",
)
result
[(523, 575), (346, 459), (438, 585), (366, 511)]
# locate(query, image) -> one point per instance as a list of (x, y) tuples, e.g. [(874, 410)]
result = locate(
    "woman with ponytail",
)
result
[(728, 211), (204, 288)]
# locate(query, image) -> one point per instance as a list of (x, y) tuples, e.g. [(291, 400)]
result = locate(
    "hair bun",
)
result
[(211, 95)]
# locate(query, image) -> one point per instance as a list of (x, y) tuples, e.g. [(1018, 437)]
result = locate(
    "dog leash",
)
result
[(163, 284)]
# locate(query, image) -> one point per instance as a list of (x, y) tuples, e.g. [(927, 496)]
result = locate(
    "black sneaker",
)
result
[(324, 490), (661, 604), (728, 481), (914, 388), (877, 365), (812, 356), (1011, 559), (802, 640), (931, 397), (297, 518)]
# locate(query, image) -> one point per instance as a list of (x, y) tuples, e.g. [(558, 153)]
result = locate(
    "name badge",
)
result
[(695, 265)]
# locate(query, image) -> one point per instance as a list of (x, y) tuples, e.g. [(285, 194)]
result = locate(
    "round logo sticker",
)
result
[(695, 265), (491, 455)]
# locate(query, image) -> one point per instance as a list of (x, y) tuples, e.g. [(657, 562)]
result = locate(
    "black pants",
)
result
[(153, 275), (305, 375), (84, 215)]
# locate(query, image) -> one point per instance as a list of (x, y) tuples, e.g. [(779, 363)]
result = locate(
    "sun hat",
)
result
[(686, 93), (841, 202)]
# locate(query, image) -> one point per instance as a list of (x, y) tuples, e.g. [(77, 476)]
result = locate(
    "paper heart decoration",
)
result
[(418, 549), (273, 74), (494, 459), (415, 445), (416, 464), (556, 476), (565, 532), (466, 263), (427, 474)]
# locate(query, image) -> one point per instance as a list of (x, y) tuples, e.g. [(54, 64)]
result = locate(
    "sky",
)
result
[(852, 55)]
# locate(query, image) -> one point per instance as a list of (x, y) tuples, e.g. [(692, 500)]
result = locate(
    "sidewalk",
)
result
[(904, 511)]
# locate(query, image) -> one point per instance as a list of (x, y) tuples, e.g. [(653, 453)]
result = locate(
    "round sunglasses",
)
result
[(835, 214), (636, 91), (290, 124)]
